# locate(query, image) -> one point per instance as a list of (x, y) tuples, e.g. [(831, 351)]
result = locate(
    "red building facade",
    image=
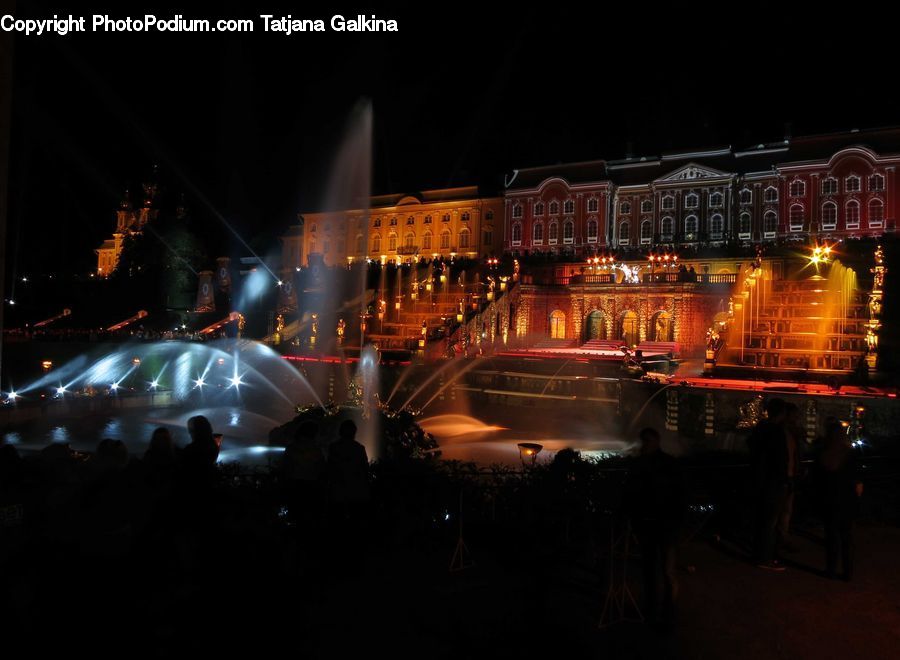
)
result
[(829, 187), (558, 210)]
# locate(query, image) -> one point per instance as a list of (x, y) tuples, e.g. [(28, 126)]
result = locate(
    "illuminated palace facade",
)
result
[(451, 222), (828, 187), (129, 221), (698, 205)]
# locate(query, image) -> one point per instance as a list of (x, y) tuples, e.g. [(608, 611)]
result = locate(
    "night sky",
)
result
[(459, 97)]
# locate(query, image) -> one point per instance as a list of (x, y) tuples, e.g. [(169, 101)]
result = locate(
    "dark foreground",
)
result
[(108, 568)]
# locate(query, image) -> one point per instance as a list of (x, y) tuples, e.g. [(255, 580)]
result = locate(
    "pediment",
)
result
[(693, 172)]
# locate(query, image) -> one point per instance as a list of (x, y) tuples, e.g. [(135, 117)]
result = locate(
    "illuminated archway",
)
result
[(595, 325), (557, 325), (661, 327), (629, 330)]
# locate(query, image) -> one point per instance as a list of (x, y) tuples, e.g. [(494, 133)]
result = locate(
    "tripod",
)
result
[(462, 558), (619, 598)]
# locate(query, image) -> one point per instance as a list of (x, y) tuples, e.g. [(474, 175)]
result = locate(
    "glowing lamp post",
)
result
[(528, 453), (46, 365)]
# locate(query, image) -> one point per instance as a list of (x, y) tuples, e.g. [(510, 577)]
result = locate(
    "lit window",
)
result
[(876, 213), (829, 216), (668, 227), (853, 214), (796, 217)]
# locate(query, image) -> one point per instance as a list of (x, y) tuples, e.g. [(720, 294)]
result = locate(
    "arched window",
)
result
[(517, 212), (427, 220), (829, 216), (625, 208), (771, 195), (557, 324), (393, 222), (796, 217), (554, 208), (770, 224), (716, 227), (876, 213), (487, 234), (716, 200), (465, 216), (312, 228), (445, 239), (392, 241), (592, 231), (360, 244), (410, 220), (668, 202), (569, 206), (463, 238), (691, 201), (409, 240), (446, 216), (876, 183), (647, 206), (646, 232), (593, 205), (624, 229), (690, 227), (553, 233), (376, 222), (746, 196), (667, 227), (537, 233), (312, 245), (426, 240), (851, 183), (852, 214), (798, 188), (539, 209), (829, 186), (744, 226), (517, 233), (376, 243), (568, 232)]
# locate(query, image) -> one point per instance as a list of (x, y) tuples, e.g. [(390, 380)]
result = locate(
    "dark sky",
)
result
[(460, 96)]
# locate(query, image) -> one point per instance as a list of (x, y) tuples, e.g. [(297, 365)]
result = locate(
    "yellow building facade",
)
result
[(451, 222)]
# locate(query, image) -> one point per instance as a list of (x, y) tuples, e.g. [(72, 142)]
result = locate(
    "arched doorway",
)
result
[(557, 325), (629, 331), (661, 328), (595, 326)]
